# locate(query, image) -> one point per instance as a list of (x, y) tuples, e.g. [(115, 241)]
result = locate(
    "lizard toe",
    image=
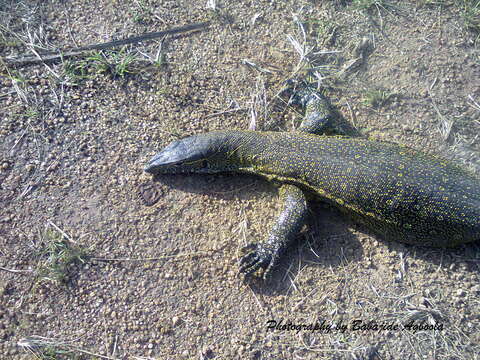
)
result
[(247, 262), (249, 247), (254, 260)]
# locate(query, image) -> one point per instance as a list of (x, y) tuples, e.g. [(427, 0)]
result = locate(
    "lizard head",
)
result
[(201, 153)]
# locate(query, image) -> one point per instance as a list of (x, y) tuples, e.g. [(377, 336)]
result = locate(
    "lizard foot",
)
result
[(258, 257), (298, 92)]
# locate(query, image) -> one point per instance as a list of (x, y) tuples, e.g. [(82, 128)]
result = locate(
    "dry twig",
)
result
[(63, 54)]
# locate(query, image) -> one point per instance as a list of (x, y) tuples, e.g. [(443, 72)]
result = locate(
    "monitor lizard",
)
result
[(399, 193)]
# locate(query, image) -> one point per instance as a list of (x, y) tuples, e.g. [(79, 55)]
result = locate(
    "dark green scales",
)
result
[(399, 193)]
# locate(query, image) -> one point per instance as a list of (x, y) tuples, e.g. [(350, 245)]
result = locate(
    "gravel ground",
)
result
[(88, 271)]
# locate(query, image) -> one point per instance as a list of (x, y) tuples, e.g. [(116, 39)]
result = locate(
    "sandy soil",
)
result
[(88, 271)]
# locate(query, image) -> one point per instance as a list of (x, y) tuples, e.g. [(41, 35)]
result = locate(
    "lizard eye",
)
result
[(204, 164)]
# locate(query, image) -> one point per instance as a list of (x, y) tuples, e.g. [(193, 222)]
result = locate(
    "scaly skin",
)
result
[(400, 193)]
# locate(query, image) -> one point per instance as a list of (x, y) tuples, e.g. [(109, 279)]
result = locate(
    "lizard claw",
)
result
[(249, 247), (259, 257), (297, 92)]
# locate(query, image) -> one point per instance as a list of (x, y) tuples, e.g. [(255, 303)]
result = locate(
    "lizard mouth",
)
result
[(159, 161), (157, 166)]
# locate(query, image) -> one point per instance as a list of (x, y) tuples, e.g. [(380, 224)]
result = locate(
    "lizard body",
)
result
[(400, 193)]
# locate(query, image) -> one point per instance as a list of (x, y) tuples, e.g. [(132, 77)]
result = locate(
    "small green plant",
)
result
[(51, 353), (376, 97), (116, 63), (471, 15), (75, 71), (17, 77), (32, 113), (57, 257), (122, 63), (97, 63), (79, 70)]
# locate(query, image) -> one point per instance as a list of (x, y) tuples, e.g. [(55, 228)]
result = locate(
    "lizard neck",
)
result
[(237, 150)]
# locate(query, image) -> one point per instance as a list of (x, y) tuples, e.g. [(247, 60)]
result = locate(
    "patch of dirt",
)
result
[(160, 281)]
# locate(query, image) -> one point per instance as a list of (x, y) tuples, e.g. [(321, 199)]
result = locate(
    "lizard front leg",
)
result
[(266, 255)]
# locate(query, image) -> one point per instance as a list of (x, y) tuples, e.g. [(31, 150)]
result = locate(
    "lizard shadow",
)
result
[(327, 241), (323, 243), (333, 242), (330, 241)]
